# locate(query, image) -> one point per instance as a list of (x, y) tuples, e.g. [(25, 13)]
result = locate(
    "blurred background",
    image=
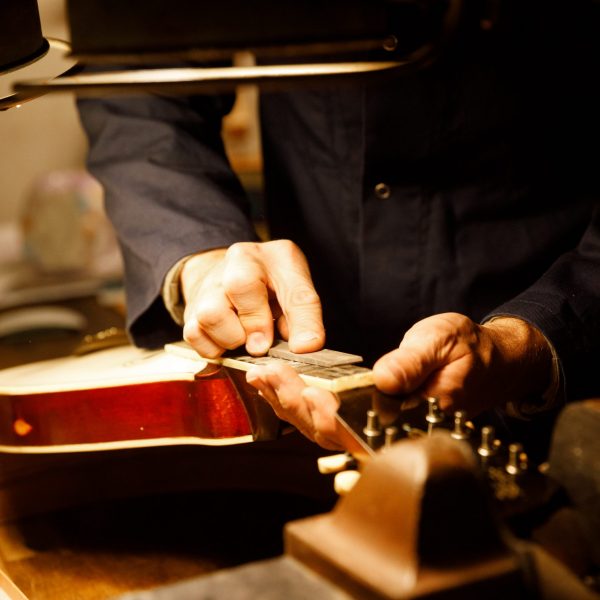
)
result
[(41, 136), (55, 241)]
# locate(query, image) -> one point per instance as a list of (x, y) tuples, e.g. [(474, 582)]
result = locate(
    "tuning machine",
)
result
[(517, 462), (462, 429), (373, 427), (435, 416)]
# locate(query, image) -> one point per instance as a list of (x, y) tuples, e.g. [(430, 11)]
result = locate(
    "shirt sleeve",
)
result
[(564, 304), (169, 192)]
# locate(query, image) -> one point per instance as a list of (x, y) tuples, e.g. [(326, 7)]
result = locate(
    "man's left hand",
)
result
[(465, 365)]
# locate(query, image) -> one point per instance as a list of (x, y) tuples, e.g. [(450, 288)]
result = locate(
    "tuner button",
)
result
[(460, 431), (372, 428), (335, 463), (344, 481), (488, 446)]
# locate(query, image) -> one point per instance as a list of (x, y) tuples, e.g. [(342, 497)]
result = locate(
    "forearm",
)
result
[(169, 191)]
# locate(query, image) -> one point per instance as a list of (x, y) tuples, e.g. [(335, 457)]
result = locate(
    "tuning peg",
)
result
[(391, 435), (488, 446), (460, 431), (372, 429), (517, 460), (435, 415)]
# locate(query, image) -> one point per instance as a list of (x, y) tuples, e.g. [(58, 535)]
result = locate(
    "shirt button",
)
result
[(390, 43), (383, 191)]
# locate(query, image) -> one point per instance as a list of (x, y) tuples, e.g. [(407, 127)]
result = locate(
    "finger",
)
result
[(290, 278), (323, 407), (400, 372), (288, 386), (449, 385), (282, 328), (281, 325), (245, 285), (434, 354), (257, 378), (304, 320), (405, 369), (200, 342), (282, 388), (213, 317)]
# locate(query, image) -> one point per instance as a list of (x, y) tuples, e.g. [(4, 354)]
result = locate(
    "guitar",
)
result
[(126, 397)]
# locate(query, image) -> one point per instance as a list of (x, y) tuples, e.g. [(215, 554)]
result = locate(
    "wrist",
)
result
[(184, 276), (195, 269), (529, 362)]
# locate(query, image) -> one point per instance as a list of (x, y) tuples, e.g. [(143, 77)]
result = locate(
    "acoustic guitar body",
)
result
[(123, 397)]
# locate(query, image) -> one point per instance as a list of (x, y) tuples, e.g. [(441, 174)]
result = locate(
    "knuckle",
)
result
[(240, 281), (285, 251), (209, 315), (240, 250), (288, 406), (455, 323), (211, 352), (204, 346), (191, 336), (304, 296), (421, 335), (283, 245)]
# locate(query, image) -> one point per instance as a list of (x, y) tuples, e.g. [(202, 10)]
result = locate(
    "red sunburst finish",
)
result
[(207, 408)]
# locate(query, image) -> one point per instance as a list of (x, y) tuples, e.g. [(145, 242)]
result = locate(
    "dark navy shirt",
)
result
[(468, 186)]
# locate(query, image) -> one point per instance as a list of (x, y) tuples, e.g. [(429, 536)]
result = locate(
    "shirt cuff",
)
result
[(171, 291)]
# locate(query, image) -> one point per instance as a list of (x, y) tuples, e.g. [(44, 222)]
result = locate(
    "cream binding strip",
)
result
[(126, 444), (337, 378), (111, 367)]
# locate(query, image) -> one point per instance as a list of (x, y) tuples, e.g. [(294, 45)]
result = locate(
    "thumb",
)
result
[(297, 297), (405, 369), (427, 346)]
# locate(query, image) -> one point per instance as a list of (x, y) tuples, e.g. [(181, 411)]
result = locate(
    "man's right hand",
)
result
[(235, 296)]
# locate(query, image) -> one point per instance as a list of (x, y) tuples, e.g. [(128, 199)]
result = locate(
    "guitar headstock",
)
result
[(373, 422)]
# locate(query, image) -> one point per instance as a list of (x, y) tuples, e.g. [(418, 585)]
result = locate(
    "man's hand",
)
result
[(310, 410), (235, 296), (466, 365)]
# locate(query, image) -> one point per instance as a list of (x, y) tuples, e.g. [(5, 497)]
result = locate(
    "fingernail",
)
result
[(305, 341), (304, 337), (257, 343)]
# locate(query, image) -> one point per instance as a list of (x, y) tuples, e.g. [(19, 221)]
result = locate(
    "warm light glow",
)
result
[(22, 427)]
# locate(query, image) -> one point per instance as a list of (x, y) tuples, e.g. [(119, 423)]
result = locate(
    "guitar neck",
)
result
[(326, 369)]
